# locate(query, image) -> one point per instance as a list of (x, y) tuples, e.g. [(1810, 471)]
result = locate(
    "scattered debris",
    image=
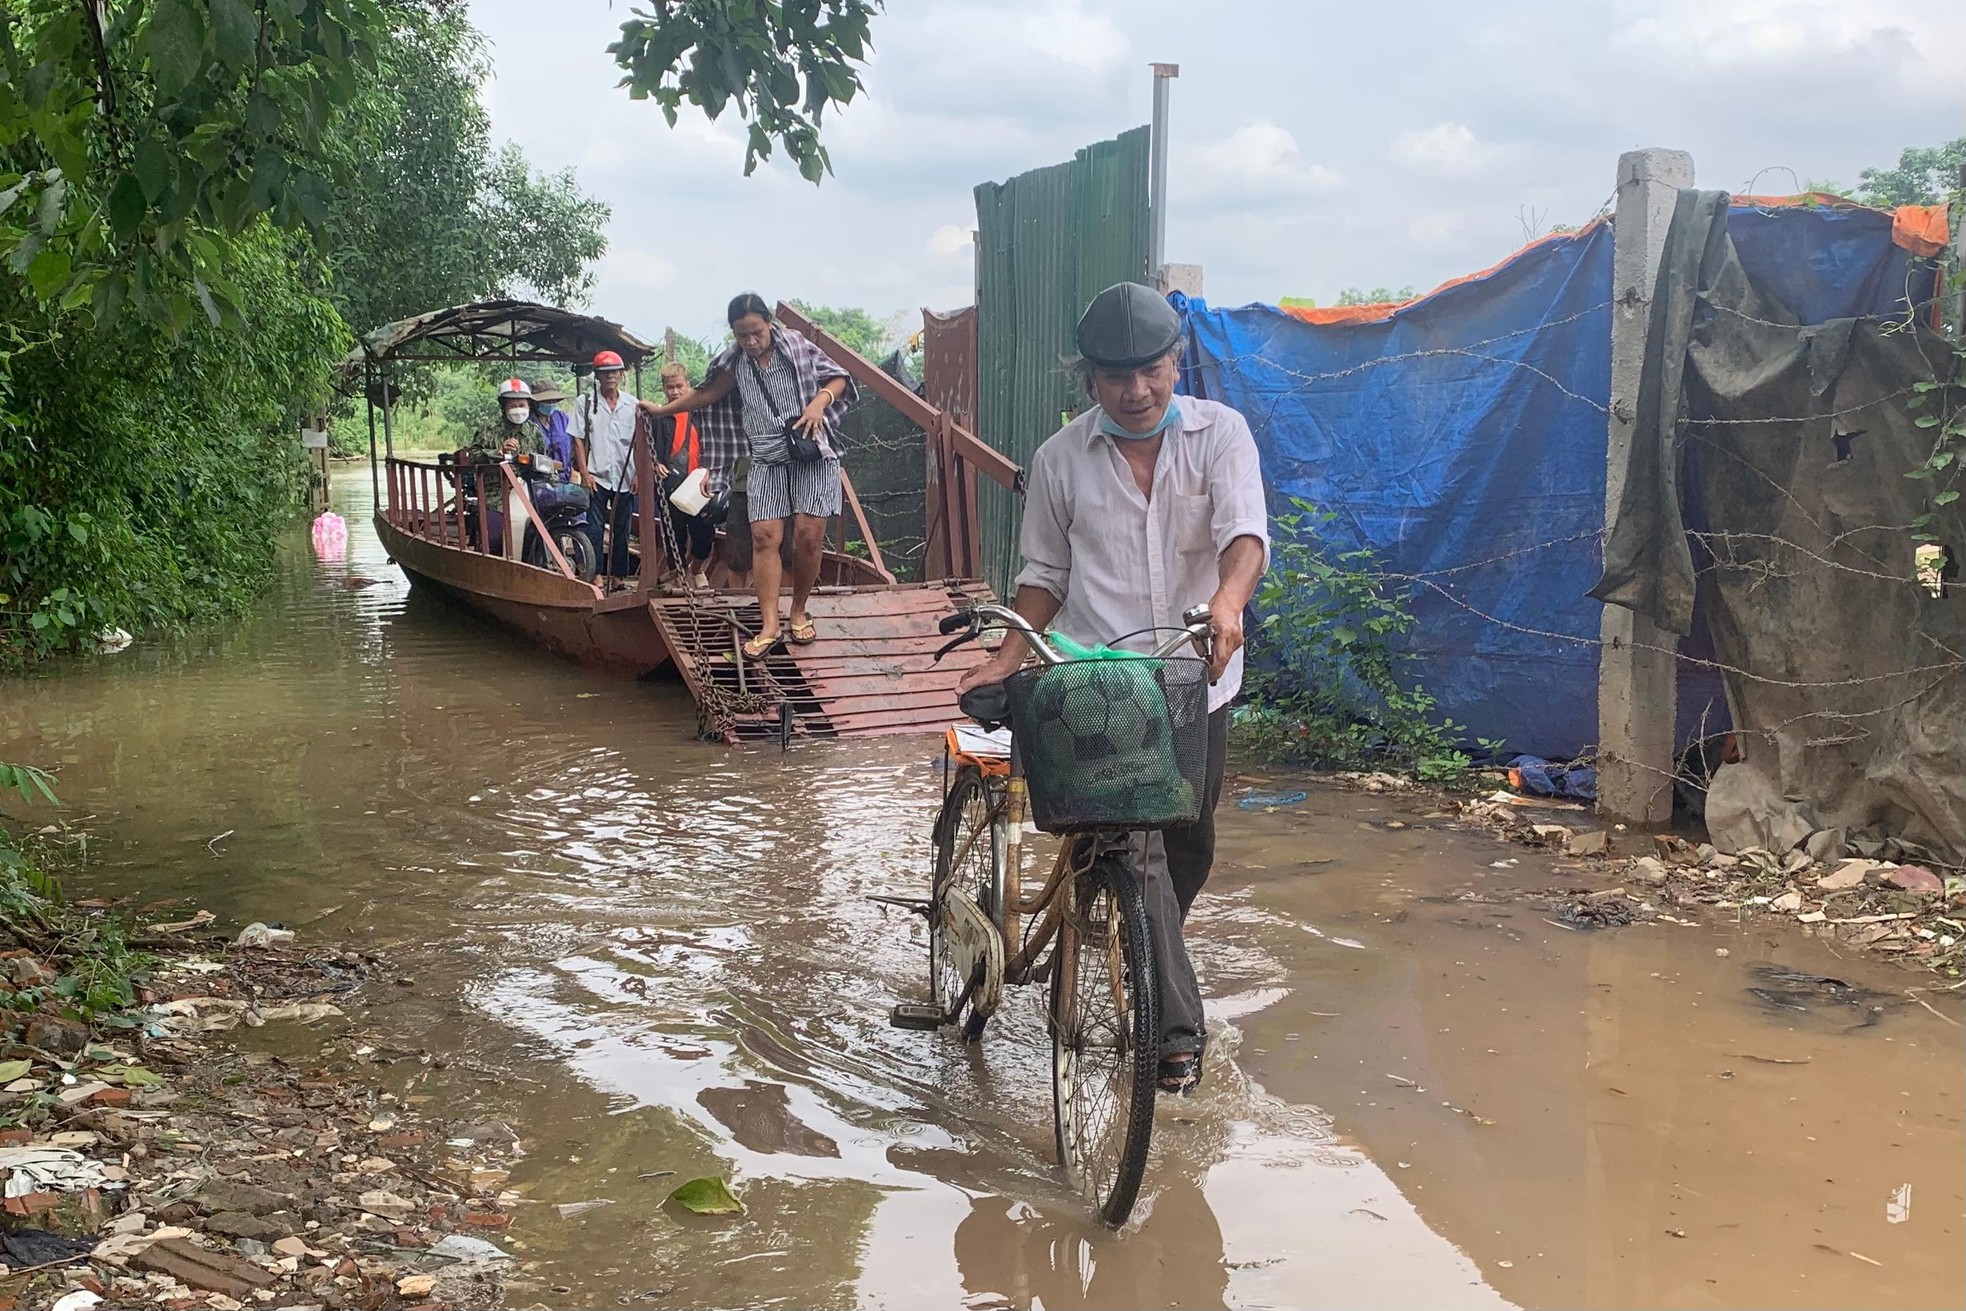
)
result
[(1898, 1209), (164, 1168), (1916, 878), (1859, 888), (264, 935), (1594, 843)]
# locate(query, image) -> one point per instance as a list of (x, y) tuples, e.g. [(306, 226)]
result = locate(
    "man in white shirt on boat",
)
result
[(603, 424)]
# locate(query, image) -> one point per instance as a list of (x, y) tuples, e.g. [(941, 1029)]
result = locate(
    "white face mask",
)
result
[(515, 414)]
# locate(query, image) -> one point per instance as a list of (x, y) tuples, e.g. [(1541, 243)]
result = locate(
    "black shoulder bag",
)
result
[(801, 448)]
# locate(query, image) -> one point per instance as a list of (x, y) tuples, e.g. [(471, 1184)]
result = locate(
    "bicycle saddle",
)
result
[(988, 705)]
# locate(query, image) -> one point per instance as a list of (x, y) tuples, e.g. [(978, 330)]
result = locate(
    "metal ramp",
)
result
[(871, 672)]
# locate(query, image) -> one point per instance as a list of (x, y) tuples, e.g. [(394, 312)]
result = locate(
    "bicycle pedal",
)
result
[(911, 1016)]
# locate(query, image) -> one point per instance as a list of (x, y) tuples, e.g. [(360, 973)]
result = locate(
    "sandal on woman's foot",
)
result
[(1180, 1073), (803, 633), (761, 646)]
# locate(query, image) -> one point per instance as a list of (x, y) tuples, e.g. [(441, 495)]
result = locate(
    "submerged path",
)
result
[(649, 955)]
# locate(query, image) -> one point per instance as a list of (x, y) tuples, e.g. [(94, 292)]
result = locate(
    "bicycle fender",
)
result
[(974, 939)]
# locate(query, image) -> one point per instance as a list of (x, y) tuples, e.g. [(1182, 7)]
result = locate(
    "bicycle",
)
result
[(1118, 746)]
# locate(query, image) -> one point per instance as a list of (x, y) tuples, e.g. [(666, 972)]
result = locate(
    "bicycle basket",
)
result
[(1112, 744)]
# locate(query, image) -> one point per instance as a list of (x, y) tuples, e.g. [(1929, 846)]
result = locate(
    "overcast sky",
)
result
[(1316, 144)]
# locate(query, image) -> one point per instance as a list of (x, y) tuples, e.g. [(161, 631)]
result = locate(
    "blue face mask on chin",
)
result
[(1111, 428)]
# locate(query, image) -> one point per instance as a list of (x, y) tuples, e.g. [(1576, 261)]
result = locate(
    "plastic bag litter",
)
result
[(1271, 800), (330, 536), (463, 1247), (263, 935), (52, 1170)]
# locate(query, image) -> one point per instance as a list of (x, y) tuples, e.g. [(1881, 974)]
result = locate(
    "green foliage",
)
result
[(695, 356), (36, 787), (181, 167), (430, 215), (453, 401), (1941, 403), (140, 141), (143, 476), (782, 64), (856, 328), (1925, 175), (96, 972), (1334, 695), (1376, 296)]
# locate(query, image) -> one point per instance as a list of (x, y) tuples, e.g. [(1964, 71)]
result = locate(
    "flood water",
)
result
[(649, 955)]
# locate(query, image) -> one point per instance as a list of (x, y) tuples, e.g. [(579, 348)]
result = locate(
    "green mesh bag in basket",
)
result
[(1112, 741)]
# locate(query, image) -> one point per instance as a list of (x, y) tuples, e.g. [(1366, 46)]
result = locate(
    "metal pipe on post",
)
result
[(1638, 668), (1959, 269), (368, 398), (1157, 176)]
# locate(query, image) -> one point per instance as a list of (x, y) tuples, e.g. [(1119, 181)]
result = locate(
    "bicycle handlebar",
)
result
[(985, 618)]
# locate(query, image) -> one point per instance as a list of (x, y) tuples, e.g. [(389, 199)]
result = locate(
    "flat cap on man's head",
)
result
[(1126, 326)]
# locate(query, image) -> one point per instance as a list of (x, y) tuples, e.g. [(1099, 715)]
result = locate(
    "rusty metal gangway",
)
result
[(873, 670)]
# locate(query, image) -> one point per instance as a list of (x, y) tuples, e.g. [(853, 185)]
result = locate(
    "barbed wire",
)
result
[(1952, 666)]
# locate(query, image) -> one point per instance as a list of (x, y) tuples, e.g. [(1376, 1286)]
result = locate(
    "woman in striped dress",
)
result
[(771, 379)]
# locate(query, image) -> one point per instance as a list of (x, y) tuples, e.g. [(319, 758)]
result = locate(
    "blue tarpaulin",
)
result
[(1463, 440)]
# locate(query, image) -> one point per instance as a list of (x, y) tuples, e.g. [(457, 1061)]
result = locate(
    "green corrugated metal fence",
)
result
[(1048, 241)]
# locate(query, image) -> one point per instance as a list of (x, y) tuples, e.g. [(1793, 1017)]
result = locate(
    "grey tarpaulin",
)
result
[(1783, 448)]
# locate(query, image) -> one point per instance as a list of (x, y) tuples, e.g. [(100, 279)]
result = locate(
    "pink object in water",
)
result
[(330, 536)]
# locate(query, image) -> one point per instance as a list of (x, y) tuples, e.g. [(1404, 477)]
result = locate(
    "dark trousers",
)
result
[(1172, 865), (612, 510), (693, 536)]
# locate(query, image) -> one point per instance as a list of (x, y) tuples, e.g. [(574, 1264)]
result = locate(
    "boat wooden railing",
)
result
[(427, 501)]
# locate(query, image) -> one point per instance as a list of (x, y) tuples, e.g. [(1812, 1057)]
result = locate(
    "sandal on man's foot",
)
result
[(1180, 1073), (803, 633), (761, 646)]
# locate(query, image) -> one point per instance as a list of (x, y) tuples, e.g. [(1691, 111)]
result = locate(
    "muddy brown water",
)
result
[(651, 955)]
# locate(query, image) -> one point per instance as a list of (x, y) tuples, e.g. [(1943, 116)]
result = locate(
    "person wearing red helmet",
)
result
[(603, 429)]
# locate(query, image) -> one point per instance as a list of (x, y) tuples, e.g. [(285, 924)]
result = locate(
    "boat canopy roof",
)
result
[(514, 330)]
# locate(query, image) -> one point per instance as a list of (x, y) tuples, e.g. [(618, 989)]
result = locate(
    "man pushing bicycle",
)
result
[(1143, 507)]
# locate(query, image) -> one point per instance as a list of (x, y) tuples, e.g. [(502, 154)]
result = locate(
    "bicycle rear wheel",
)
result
[(967, 864), (1105, 1039)]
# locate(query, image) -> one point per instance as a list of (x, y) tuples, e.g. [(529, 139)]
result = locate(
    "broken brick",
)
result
[(32, 1203), (214, 1272)]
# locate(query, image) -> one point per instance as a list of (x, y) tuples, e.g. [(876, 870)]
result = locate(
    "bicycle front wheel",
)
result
[(968, 864), (1105, 1039)]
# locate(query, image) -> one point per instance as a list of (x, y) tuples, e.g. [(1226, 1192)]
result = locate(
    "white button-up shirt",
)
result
[(1120, 562), (610, 436)]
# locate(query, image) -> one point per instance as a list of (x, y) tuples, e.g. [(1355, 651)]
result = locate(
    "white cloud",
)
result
[(1446, 149), (1731, 35), (951, 239), (1257, 161), (1275, 188), (640, 269)]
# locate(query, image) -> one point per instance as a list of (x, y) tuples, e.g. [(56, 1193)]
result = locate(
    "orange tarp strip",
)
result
[(1373, 313), (1816, 199), (1920, 229)]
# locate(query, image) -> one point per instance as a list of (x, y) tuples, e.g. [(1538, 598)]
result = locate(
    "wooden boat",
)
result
[(872, 671)]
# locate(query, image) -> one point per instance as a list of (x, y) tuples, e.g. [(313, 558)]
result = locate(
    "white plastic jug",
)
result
[(694, 493)]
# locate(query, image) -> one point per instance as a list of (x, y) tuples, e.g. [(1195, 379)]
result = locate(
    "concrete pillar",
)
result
[(1184, 278), (1637, 687)]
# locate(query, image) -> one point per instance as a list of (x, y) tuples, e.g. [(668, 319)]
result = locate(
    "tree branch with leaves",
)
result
[(781, 62)]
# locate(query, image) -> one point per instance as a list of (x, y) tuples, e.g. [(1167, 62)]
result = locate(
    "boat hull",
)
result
[(545, 608)]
